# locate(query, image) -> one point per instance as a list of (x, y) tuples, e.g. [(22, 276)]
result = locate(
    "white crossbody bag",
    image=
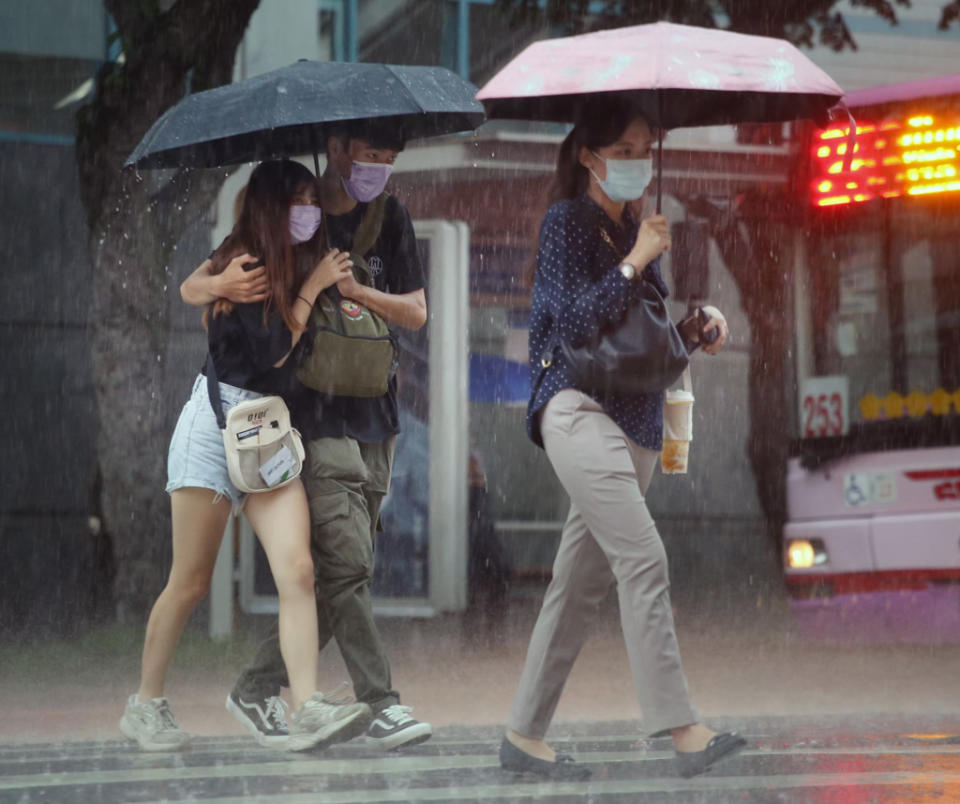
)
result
[(264, 451)]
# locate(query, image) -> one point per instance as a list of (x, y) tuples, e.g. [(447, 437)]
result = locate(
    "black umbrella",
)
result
[(289, 111)]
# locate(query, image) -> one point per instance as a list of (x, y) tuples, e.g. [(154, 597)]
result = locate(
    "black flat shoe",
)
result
[(721, 746), (562, 769)]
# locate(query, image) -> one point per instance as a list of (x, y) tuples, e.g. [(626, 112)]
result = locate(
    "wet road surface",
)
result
[(822, 760)]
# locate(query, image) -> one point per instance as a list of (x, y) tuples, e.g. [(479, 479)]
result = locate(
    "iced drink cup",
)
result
[(677, 432)]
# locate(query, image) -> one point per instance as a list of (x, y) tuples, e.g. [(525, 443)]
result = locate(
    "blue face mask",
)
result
[(626, 178)]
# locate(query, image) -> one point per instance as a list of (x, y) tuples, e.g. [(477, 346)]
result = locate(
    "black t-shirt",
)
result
[(245, 349), (396, 267)]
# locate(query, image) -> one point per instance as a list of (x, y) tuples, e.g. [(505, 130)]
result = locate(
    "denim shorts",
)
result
[(196, 458)]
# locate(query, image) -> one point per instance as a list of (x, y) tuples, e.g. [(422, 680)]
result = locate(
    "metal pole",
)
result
[(463, 39), (353, 32)]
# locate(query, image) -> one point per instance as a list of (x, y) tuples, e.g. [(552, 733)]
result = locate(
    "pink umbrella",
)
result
[(678, 75)]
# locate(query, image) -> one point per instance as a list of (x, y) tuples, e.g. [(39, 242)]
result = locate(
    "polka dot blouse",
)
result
[(577, 290)]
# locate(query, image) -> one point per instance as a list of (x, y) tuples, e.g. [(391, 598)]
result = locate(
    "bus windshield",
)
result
[(882, 346)]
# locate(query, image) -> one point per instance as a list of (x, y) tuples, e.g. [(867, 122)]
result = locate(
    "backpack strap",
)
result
[(370, 225), (365, 236)]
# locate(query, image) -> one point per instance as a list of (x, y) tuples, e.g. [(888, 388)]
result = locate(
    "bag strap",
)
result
[(365, 235), (609, 241), (370, 225), (213, 391)]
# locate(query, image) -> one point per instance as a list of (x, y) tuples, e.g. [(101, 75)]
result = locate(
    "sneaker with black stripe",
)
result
[(394, 727), (264, 717)]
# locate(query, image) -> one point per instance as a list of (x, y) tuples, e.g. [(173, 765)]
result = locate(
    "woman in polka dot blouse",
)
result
[(592, 257)]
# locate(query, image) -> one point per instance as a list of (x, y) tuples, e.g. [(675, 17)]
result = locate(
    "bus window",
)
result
[(885, 312), (850, 314)]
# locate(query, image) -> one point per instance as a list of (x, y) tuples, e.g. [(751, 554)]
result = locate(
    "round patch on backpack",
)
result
[(351, 308)]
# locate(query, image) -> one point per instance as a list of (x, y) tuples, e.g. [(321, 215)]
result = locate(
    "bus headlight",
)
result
[(806, 553)]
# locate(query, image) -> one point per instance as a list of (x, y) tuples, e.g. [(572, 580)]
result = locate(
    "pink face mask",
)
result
[(367, 180), (304, 222)]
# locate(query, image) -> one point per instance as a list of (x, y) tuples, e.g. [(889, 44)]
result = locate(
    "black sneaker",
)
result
[(393, 728), (264, 717)]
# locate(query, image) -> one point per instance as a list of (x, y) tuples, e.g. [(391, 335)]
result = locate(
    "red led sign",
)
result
[(917, 156)]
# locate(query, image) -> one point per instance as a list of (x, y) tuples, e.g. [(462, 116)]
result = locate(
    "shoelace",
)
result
[(276, 711), (336, 698), (398, 713), (164, 715)]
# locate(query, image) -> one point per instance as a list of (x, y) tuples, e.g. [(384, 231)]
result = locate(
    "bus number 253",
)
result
[(823, 415)]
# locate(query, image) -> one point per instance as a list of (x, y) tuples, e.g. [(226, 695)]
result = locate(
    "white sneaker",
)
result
[(321, 722), (151, 724)]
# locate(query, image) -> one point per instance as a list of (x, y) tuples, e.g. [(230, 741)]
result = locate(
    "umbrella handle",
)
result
[(659, 148), (659, 166)]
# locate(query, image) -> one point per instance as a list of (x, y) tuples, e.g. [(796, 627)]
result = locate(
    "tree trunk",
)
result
[(132, 233), (129, 346)]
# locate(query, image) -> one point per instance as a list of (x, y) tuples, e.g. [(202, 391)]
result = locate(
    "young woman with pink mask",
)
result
[(249, 343)]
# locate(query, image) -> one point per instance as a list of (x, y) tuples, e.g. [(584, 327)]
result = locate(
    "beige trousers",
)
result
[(609, 536)]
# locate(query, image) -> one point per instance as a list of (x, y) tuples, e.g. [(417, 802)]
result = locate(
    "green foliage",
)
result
[(802, 22)]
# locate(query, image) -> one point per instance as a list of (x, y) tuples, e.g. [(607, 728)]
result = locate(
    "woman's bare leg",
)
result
[(281, 519), (198, 525)]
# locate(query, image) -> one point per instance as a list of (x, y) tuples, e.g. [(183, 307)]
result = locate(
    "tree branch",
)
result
[(162, 48), (949, 15), (796, 21)]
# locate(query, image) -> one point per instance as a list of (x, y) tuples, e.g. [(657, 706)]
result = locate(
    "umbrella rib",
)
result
[(406, 89)]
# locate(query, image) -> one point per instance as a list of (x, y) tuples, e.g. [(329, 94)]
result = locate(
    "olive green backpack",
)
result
[(350, 351)]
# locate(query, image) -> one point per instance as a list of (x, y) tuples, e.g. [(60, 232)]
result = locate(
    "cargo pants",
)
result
[(345, 481)]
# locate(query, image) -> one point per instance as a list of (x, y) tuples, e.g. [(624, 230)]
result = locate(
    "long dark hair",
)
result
[(600, 122), (263, 230)]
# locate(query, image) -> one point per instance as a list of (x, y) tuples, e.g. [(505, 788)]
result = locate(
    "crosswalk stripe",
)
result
[(290, 765), (592, 790)]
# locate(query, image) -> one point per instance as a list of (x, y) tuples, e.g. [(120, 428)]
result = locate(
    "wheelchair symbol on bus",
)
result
[(856, 490)]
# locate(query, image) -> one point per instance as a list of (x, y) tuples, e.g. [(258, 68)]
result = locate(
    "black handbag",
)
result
[(642, 353)]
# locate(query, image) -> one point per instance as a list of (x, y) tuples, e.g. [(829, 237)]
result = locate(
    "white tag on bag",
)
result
[(278, 468)]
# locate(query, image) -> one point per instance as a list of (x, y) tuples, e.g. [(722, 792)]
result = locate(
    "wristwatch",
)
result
[(628, 271)]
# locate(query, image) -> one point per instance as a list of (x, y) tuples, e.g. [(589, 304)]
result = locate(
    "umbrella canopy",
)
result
[(288, 112), (678, 75)]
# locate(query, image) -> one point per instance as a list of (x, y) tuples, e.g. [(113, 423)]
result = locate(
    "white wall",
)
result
[(280, 33)]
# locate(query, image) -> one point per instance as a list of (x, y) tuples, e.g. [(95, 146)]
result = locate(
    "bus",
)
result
[(871, 545)]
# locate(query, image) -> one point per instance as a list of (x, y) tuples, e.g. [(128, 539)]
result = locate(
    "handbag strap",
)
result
[(550, 350), (213, 391)]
